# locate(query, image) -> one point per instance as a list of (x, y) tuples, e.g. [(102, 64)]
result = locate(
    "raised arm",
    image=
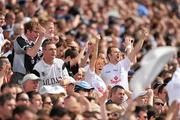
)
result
[(95, 53), (33, 50), (143, 34), (102, 104)]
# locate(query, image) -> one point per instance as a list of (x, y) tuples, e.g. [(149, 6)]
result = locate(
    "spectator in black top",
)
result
[(73, 60)]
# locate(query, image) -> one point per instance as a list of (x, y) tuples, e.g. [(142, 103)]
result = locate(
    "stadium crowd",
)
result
[(74, 59)]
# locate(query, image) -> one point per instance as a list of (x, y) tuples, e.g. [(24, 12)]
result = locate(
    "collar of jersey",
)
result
[(47, 65)]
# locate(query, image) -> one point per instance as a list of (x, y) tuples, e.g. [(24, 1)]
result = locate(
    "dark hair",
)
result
[(61, 42), (161, 87), (9, 15), (30, 26), (4, 98), (31, 94), (7, 85), (115, 88), (109, 50), (138, 109), (70, 52), (151, 113), (46, 42), (58, 112), (21, 109)]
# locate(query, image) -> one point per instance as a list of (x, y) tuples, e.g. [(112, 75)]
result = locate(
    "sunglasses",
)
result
[(85, 90), (48, 103), (162, 104), (113, 114)]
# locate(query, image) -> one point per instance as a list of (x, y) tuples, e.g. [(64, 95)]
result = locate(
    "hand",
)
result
[(55, 39), (128, 43), (41, 30), (97, 36), (104, 97), (150, 92), (143, 34)]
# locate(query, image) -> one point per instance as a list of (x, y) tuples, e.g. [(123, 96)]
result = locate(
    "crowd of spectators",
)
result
[(74, 59)]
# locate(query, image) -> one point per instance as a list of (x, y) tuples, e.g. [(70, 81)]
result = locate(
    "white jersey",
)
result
[(95, 81), (51, 74), (116, 74)]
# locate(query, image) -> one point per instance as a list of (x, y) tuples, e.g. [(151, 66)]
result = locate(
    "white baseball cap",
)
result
[(30, 77)]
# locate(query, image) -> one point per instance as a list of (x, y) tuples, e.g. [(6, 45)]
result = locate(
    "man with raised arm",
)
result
[(116, 72), (27, 50)]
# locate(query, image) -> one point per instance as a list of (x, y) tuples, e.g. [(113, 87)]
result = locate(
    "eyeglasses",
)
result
[(162, 104)]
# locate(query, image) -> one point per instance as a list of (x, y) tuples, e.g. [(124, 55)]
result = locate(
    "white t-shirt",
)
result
[(51, 74), (117, 74), (95, 81)]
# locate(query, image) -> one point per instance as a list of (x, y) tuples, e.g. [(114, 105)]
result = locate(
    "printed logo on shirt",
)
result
[(107, 71), (43, 74), (115, 70), (115, 80), (100, 89), (51, 81)]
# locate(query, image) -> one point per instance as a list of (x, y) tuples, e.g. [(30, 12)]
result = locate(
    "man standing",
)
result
[(27, 50), (50, 69), (116, 72)]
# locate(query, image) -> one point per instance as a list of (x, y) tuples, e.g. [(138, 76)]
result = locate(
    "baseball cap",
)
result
[(55, 89), (30, 77), (85, 85)]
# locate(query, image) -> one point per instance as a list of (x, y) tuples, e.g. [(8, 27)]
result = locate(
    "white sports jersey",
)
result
[(117, 74), (95, 81), (51, 74)]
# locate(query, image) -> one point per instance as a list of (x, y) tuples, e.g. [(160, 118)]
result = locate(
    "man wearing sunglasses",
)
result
[(159, 105)]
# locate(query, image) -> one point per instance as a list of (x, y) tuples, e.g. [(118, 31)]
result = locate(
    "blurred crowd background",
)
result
[(70, 24)]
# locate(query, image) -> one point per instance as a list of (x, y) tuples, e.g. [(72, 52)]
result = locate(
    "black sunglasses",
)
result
[(162, 104)]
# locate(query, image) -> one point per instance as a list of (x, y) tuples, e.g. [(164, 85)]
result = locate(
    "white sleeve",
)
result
[(125, 63), (89, 76)]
